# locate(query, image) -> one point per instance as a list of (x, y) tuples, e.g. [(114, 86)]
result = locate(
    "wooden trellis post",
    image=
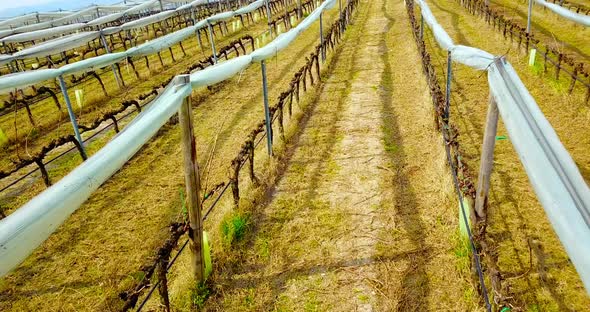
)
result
[(192, 181), (486, 164)]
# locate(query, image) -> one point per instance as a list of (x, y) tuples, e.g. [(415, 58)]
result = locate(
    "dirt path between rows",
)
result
[(364, 218)]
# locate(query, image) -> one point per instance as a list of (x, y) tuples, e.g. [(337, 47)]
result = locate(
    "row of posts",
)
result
[(268, 121), (68, 102), (192, 178), (489, 141), (191, 169)]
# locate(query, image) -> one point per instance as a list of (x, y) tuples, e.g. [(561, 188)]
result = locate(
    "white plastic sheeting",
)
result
[(556, 179), (33, 17), (44, 33), (249, 8), (105, 19), (192, 4), (89, 12), (32, 224), (57, 45), (35, 29), (29, 226), (142, 21), (552, 171), (564, 12), (42, 30), (469, 56), (11, 82), (50, 48)]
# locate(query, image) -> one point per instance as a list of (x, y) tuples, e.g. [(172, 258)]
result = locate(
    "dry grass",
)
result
[(52, 123), (517, 220), (17, 196), (93, 256), (567, 36), (363, 216)]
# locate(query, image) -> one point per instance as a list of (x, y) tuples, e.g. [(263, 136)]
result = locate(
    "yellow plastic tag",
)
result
[(79, 97), (3, 138)]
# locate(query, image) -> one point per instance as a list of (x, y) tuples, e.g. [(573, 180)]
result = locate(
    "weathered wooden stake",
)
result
[(486, 163), (192, 180)]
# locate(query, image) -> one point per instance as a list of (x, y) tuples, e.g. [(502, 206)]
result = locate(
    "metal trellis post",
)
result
[(269, 15), (198, 33), (421, 27), (64, 91), (322, 37), (108, 50), (449, 78), (193, 16), (212, 42), (268, 122), (340, 8), (529, 16)]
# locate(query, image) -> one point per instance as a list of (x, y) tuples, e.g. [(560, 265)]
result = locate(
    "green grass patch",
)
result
[(561, 85), (311, 303), (233, 228), (199, 295), (463, 253), (262, 246)]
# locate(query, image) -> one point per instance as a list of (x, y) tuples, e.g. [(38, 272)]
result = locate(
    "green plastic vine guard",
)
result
[(500, 137), (207, 255), (3, 138), (532, 57), (462, 228)]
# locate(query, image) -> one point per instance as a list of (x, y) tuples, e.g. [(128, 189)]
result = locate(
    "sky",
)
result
[(10, 8)]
